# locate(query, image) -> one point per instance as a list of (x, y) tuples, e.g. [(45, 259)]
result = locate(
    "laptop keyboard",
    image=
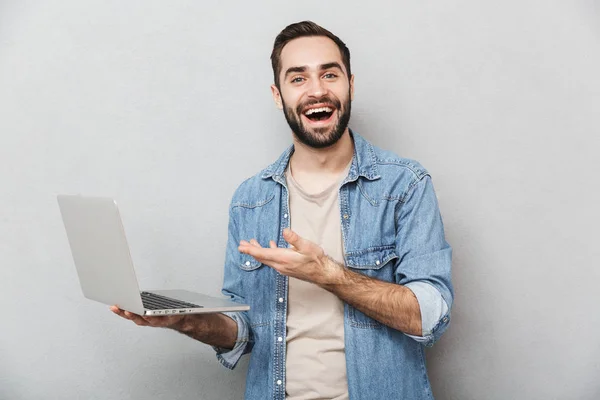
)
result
[(154, 301)]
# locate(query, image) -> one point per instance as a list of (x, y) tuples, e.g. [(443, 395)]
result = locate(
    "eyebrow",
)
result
[(330, 66), (322, 67)]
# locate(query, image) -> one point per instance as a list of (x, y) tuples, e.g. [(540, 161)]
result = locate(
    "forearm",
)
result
[(393, 305), (213, 329)]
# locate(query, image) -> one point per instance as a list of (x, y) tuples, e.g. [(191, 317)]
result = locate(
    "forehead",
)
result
[(310, 52)]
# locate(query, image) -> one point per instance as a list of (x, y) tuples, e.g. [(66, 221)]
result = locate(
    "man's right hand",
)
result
[(214, 329), (167, 321)]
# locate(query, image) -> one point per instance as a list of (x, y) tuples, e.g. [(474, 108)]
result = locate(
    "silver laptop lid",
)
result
[(100, 251)]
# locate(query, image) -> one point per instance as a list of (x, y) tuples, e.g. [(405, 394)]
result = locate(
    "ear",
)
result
[(276, 97), (352, 87)]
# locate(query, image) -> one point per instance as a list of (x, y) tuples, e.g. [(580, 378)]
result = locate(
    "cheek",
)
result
[(343, 93), (291, 98)]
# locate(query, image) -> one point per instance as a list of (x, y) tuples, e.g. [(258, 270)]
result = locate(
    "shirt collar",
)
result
[(363, 162)]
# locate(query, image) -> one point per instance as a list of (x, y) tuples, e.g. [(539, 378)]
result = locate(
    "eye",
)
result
[(297, 79), (330, 75)]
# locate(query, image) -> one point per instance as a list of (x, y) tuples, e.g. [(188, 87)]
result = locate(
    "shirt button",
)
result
[(279, 382), (280, 339), (248, 263), (377, 262), (284, 215), (346, 216), (281, 299)]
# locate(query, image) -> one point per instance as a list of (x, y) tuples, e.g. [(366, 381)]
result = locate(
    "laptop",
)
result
[(105, 269)]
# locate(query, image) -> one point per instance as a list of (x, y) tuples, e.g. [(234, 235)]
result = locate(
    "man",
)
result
[(342, 303)]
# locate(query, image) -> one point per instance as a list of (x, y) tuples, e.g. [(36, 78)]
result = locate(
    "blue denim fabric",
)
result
[(392, 230)]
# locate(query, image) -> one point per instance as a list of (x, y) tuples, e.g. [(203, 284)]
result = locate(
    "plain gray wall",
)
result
[(166, 107)]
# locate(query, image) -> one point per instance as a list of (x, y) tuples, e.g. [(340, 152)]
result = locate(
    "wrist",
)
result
[(334, 271)]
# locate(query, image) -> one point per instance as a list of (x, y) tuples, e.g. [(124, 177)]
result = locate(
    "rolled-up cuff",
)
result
[(433, 309), (230, 357)]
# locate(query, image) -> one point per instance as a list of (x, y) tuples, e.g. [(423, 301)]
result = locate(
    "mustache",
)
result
[(335, 102)]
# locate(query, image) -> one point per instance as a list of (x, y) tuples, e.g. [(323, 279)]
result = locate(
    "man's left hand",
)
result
[(304, 260)]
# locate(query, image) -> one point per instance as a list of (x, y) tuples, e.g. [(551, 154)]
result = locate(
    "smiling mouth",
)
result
[(319, 113)]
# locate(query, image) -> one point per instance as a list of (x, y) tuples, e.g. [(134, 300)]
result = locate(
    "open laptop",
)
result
[(105, 268)]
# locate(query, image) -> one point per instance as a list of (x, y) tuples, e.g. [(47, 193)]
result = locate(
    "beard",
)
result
[(318, 138)]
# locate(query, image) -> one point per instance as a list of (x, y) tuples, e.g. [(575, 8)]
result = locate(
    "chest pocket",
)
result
[(248, 263), (375, 262), (257, 283)]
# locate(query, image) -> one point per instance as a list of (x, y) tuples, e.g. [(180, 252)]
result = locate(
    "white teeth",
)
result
[(314, 110)]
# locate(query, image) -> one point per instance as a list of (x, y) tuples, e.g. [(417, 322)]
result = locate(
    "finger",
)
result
[(272, 244), (137, 319), (246, 248), (271, 256), (257, 252), (294, 239), (118, 311), (250, 248), (244, 242), (255, 243)]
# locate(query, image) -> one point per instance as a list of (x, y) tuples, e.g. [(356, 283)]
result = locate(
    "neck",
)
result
[(332, 159)]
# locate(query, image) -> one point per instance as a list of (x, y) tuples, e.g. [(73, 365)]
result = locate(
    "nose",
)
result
[(316, 88)]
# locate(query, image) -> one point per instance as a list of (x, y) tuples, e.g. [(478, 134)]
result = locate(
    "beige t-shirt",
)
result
[(315, 359)]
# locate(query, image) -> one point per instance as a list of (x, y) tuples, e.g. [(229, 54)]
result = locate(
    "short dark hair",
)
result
[(304, 29)]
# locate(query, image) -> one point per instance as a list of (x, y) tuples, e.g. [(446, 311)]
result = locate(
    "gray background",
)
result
[(166, 107)]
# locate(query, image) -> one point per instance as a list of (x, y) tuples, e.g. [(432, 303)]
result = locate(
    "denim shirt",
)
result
[(392, 231)]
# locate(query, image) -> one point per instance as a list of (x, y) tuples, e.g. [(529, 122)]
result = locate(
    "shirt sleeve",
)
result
[(230, 357), (432, 306), (425, 258), (233, 289)]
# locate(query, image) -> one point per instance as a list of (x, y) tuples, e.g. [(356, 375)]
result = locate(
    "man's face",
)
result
[(314, 91)]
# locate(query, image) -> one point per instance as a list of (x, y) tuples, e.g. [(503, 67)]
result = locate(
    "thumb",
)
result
[(294, 239)]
